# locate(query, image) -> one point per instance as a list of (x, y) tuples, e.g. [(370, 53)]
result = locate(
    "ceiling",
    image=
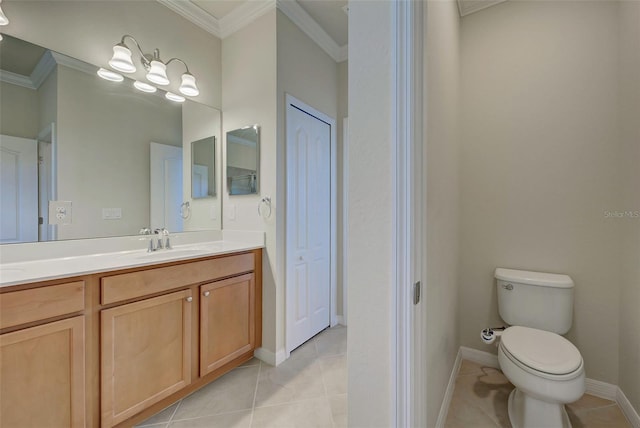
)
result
[(325, 21), (18, 56)]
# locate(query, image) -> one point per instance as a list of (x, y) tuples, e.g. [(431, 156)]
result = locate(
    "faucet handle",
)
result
[(167, 242), (145, 231)]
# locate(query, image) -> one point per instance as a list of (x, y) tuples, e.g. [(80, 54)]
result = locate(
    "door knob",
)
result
[(206, 293), (189, 299)]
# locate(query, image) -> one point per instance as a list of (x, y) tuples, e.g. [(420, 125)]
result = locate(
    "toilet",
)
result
[(546, 369)]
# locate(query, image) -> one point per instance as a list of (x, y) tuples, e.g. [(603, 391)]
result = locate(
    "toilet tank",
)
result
[(535, 299)]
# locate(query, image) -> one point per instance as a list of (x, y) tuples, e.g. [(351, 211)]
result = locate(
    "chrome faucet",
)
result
[(146, 231), (160, 235)]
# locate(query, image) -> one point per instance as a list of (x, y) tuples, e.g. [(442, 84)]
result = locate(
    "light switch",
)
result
[(111, 213)]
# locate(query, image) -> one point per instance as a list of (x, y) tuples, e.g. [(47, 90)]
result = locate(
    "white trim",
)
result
[(629, 412), (289, 99), (341, 320), (448, 393), (481, 357), (44, 67), (410, 382), (466, 7), (244, 15), (598, 388), (195, 14), (273, 359), (345, 219), (248, 12), (601, 389), (73, 63), (16, 79), (310, 27)]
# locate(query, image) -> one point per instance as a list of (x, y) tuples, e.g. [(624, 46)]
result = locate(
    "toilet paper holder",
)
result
[(489, 335)]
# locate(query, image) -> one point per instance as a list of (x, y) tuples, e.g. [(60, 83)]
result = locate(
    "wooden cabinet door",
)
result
[(42, 376), (227, 315), (145, 354)]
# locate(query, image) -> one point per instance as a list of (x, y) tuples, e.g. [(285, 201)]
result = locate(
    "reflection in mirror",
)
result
[(243, 159), (93, 147), (203, 172)]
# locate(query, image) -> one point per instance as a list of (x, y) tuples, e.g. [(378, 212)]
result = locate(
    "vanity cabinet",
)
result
[(227, 321), (42, 357), (145, 354)]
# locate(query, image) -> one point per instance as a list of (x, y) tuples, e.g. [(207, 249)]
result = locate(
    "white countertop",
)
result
[(54, 268)]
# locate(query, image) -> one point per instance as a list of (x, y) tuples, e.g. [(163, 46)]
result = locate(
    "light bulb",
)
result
[(188, 86), (3, 18), (158, 73), (174, 97), (121, 59), (144, 87), (110, 75)]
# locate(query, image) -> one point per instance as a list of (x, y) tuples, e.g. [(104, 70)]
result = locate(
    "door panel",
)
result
[(166, 187), (18, 190), (308, 226)]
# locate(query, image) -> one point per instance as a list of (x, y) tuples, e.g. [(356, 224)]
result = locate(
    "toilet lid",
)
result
[(541, 350)]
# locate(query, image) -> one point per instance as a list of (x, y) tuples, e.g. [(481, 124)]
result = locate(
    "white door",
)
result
[(166, 187), (308, 260), (18, 189)]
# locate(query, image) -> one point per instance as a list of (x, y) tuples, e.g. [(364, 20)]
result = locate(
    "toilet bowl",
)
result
[(547, 371)]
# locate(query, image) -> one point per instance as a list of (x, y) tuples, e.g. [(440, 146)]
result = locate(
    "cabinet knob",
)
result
[(206, 293), (189, 299)]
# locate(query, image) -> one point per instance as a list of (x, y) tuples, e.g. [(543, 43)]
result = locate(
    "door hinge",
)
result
[(417, 289)]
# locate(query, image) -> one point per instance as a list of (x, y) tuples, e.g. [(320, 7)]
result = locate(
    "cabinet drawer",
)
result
[(21, 307), (137, 284)]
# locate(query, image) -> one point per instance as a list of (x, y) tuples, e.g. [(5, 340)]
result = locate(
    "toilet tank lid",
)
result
[(534, 278)]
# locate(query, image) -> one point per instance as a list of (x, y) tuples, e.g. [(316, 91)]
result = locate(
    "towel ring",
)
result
[(185, 210), (266, 201)]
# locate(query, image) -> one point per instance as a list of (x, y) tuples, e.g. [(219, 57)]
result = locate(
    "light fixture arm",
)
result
[(179, 60), (145, 58)]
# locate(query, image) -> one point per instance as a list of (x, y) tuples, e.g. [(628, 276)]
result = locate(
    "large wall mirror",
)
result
[(203, 168), (243, 160), (114, 159)]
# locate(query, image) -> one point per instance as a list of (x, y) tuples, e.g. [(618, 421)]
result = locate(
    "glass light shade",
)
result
[(144, 87), (110, 75), (188, 86), (174, 97), (121, 59), (158, 73), (3, 18)]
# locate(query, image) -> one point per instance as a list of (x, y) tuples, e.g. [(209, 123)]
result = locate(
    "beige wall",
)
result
[(371, 339), (87, 30), (249, 97), (103, 145), (629, 90), (343, 111), (441, 223), (540, 164), (18, 111)]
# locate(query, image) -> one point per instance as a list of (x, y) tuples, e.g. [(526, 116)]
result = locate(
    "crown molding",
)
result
[(195, 14), (249, 11), (466, 7), (243, 15), (16, 79), (76, 64), (310, 27)]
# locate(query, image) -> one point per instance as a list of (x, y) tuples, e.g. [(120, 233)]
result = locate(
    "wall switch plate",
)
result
[(60, 212), (111, 213)]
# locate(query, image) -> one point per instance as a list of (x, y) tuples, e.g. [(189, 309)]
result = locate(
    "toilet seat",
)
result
[(542, 353)]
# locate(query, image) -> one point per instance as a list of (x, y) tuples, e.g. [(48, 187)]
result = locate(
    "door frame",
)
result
[(333, 301)]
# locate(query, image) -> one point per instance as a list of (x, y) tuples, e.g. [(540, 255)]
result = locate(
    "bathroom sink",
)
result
[(167, 254)]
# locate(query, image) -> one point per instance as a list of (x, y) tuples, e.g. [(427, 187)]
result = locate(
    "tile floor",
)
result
[(308, 390), (480, 400)]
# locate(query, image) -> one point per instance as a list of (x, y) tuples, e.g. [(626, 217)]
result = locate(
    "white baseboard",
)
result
[(448, 394), (481, 357), (269, 357), (602, 389), (625, 405), (594, 387)]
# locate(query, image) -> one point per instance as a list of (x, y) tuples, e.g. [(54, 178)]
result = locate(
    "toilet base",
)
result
[(528, 412)]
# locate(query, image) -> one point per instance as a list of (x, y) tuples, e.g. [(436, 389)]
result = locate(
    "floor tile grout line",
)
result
[(174, 413), (255, 394), (212, 416)]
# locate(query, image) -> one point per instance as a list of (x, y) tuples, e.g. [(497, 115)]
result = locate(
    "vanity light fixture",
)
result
[(174, 97), (3, 18), (156, 68), (110, 75), (144, 87)]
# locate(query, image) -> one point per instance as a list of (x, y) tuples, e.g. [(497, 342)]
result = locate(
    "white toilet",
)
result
[(546, 369)]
